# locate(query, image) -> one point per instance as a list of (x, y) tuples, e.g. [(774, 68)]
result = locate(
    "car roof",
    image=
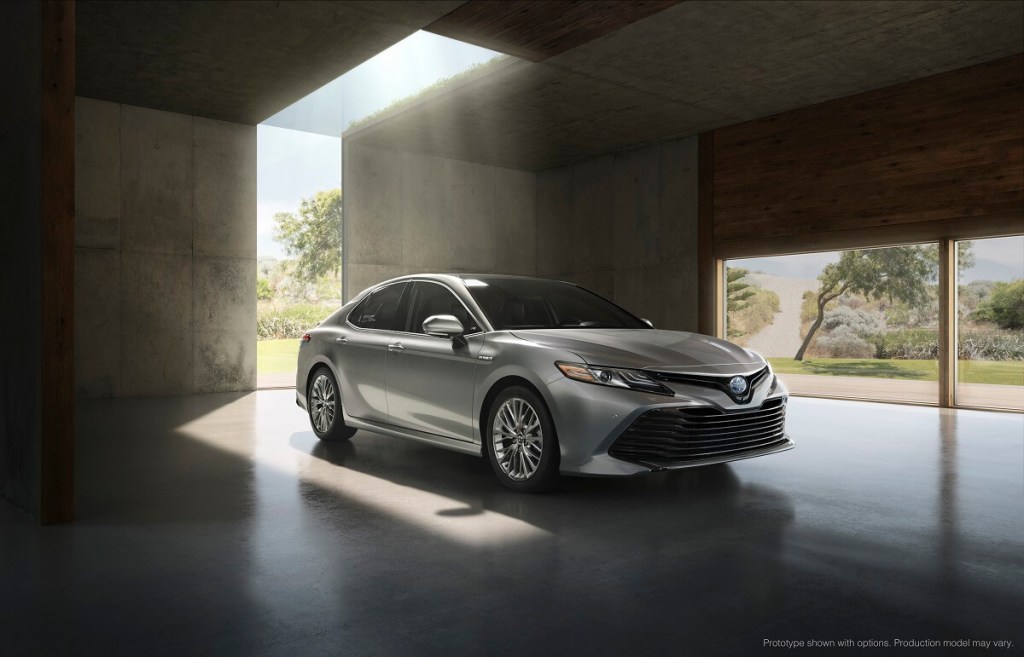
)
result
[(454, 278), (468, 276)]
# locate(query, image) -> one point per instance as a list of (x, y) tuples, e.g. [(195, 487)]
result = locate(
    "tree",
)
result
[(736, 291), (964, 254), (314, 235), (899, 273)]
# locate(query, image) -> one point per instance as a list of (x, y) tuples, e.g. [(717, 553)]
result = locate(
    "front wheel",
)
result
[(324, 406), (520, 441)]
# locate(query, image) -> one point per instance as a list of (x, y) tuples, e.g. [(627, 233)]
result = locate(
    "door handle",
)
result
[(341, 340), (396, 346)]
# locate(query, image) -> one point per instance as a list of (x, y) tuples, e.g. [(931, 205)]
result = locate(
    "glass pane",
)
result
[(990, 309), (860, 324)]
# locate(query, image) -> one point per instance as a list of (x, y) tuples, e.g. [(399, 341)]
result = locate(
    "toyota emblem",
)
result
[(738, 385)]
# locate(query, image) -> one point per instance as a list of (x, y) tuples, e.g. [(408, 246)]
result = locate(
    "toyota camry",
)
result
[(539, 377)]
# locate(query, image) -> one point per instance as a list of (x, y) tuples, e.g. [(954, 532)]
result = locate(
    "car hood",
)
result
[(666, 351)]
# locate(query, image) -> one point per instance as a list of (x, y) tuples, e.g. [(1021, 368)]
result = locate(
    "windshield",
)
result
[(529, 303)]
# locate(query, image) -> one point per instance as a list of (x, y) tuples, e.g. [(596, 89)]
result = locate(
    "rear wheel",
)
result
[(324, 406), (520, 441)]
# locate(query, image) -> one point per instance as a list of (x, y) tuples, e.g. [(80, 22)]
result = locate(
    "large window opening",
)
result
[(867, 323), (300, 195), (990, 319), (859, 324)]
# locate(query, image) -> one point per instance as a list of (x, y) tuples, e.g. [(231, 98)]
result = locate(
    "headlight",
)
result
[(612, 376)]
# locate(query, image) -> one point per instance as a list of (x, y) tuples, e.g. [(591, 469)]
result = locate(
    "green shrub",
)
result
[(971, 295), (907, 344), (263, 291), (1004, 307), (981, 344), (862, 323), (974, 344), (844, 342), (290, 321)]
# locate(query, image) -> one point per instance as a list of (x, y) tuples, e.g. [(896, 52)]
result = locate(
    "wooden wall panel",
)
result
[(938, 157)]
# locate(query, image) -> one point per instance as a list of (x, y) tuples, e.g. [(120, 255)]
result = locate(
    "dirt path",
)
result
[(782, 337)]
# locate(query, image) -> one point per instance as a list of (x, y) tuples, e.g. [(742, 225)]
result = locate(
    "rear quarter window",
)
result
[(379, 310)]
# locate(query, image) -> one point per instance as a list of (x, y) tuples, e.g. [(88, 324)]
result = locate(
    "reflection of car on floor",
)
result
[(538, 376)]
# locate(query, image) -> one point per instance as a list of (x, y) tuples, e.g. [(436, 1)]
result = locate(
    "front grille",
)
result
[(718, 382), (680, 435)]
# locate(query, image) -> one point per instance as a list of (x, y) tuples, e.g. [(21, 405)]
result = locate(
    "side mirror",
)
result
[(443, 326), (648, 322)]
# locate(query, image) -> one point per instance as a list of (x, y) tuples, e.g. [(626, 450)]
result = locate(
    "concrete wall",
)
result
[(165, 252), (20, 255), (625, 226), (408, 213)]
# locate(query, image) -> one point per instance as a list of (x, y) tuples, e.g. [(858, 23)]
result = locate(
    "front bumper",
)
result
[(591, 418)]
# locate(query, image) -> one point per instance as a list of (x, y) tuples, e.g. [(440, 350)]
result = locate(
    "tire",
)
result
[(323, 405), (513, 451)]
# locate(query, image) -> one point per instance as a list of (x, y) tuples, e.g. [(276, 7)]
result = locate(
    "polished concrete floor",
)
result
[(218, 525)]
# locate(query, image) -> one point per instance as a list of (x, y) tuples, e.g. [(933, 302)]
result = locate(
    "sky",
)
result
[(298, 150), (996, 259)]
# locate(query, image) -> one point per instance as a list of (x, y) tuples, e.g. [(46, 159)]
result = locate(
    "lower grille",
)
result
[(680, 435)]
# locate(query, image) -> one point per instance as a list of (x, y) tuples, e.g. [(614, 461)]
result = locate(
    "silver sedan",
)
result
[(540, 377)]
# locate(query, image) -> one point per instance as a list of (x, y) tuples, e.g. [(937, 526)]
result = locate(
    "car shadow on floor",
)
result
[(664, 504)]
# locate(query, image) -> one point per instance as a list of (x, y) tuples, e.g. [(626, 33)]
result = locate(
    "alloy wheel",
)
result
[(518, 439), (322, 403)]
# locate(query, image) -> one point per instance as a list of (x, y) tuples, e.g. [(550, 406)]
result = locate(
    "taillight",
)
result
[(305, 338)]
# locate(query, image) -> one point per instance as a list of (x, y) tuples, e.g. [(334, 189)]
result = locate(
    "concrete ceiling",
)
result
[(694, 67), (233, 60)]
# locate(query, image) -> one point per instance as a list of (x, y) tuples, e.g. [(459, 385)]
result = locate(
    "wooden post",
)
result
[(57, 424), (947, 322)]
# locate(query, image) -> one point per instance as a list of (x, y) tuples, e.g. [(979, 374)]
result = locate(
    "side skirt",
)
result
[(410, 434)]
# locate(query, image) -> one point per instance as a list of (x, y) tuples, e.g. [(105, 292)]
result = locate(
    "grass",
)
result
[(970, 371), (276, 356), (1005, 372)]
